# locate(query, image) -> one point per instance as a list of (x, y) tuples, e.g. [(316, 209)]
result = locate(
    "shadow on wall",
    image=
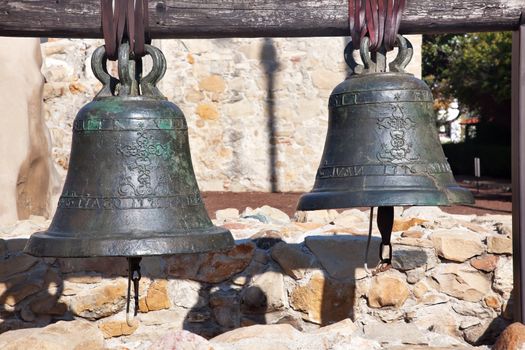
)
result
[(241, 287), (261, 281), (30, 289), (270, 63)]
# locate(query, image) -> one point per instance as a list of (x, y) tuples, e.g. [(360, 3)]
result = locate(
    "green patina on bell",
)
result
[(382, 148), (130, 189)]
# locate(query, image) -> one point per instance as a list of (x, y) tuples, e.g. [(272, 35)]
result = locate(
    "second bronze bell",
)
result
[(382, 147), (130, 189)]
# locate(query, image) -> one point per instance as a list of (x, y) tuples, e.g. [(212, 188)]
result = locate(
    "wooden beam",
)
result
[(252, 18)]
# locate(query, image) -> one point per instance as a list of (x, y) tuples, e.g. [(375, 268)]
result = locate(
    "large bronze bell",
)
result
[(130, 190), (382, 148)]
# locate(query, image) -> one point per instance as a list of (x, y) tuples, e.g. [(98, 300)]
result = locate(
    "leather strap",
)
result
[(108, 28), (372, 23), (142, 26), (379, 19), (356, 18), (125, 20), (393, 22)]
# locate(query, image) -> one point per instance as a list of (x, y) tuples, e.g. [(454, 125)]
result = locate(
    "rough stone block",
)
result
[(457, 245), (64, 335), (292, 259), (462, 282), (386, 290), (324, 300), (343, 256), (499, 244), (213, 267)]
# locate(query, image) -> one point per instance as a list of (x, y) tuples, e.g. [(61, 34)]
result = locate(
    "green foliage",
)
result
[(475, 69)]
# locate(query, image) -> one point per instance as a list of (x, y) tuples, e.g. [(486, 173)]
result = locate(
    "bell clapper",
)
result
[(385, 223), (133, 277)]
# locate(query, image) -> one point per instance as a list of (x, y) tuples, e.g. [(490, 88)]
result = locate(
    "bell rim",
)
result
[(354, 199), (47, 244)]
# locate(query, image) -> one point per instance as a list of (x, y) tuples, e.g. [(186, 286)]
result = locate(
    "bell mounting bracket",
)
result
[(130, 81), (376, 62)]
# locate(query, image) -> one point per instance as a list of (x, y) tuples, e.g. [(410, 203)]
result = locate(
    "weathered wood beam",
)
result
[(252, 18)]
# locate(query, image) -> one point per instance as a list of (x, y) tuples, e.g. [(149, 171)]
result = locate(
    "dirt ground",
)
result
[(493, 197)]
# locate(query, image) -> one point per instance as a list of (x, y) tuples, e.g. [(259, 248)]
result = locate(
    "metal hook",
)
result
[(398, 65), (355, 67), (381, 249), (149, 82), (130, 73), (99, 66), (404, 55)]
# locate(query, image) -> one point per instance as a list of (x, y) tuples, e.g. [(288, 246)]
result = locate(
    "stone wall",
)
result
[(450, 284), (256, 108)]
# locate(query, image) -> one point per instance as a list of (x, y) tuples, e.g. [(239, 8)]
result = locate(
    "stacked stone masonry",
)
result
[(257, 109), (289, 283)]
